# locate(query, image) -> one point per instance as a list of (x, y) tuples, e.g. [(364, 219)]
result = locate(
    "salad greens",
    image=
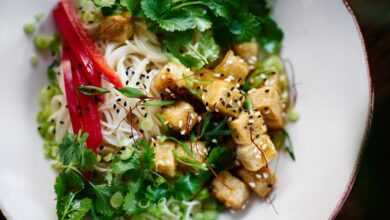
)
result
[(133, 188), (191, 28)]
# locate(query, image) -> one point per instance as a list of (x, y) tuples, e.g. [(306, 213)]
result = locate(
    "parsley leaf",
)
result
[(73, 152)]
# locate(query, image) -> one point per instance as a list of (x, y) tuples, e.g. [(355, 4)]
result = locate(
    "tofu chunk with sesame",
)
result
[(224, 97), (180, 116), (246, 126), (164, 158), (268, 101), (230, 190), (233, 67), (198, 150), (258, 154), (261, 182), (249, 51), (170, 78)]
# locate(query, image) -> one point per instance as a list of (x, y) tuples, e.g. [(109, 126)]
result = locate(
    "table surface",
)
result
[(368, 198)]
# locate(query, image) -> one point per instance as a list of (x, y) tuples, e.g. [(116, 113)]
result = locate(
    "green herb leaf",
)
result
[(102, 200), (132, 92), (92, 90), (283, 141), (73, 152), (159, 103), (130, 203), (190, 162), (194, 54)]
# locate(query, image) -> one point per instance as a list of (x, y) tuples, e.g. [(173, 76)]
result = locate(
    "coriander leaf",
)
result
[(159, 103), (79, 209), (244, 27), (219, 8), (185, 19), (132, 92), (68, 181), (64, 205), (73, 151), (220, 157), (102, 200), (189, 185), (92, 90), (192, 53), (131, 5), (271, 35), (130, 202), (120, 167), (155, 9), (155, 193)]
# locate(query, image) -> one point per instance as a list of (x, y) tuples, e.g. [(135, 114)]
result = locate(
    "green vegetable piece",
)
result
[(248, 104), (92, 90), (130, 203), (102, 200), (292, 115), (116, 200), (43, 42), (38, 17), (34, 60), (104, 3), (29, 28), (132, 92)]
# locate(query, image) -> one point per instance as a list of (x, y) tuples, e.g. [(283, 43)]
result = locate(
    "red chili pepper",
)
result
[(89, 113), (71, 96), (82, 44)]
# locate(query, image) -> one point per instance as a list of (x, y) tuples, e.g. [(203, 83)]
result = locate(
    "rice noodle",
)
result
[(136, 62)]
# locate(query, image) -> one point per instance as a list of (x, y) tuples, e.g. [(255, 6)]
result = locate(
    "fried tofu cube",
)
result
[(165, 159), (233, 68), (116, 28), (249, 124), (198, 149), (230, 190), (258, 154), (224, 97), (268, 101), (170, 78), (249, 51), (180, 116), (261, 182)]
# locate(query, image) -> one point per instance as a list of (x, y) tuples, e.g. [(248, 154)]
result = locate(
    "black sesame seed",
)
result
[(145, 115), (142, 131), (114, 106), (118, 110), (132, 72), (168, 69), (228, 94), (266, 91), (119, 100), (62, 122), (127, 82), (137, 84), (125, 104)]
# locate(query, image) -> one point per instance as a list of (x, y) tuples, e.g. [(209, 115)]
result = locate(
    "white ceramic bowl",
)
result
[(324, 46)]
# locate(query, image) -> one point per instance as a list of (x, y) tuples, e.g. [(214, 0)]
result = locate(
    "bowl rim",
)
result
[(358, 162)]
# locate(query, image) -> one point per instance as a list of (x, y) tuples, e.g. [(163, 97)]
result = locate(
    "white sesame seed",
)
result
[(217, 75), (259, 176), (214, 141), (251, 121), (265, 175), (199, 118), (229, 61), (180, 124), (252, 184), (183, 132)]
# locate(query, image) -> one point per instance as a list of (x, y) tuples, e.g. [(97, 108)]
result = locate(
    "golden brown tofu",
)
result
[(198, 149), (268, 101), (261, 182), (256, 156), (249, 51), (180, 116), (249, 124), (116, 28), (232, 68), (230, 191), (170, 78), (165, 159), (224, 97)]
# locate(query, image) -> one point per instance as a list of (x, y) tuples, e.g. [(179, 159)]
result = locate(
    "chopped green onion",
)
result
[(159, 103), (248, 104), (132, 92), (34, 60), (292, 116), (43, 42), (116, 200), (29, 28)]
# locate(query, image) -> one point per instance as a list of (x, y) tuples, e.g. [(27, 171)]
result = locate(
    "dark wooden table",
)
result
[(368, 199)]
